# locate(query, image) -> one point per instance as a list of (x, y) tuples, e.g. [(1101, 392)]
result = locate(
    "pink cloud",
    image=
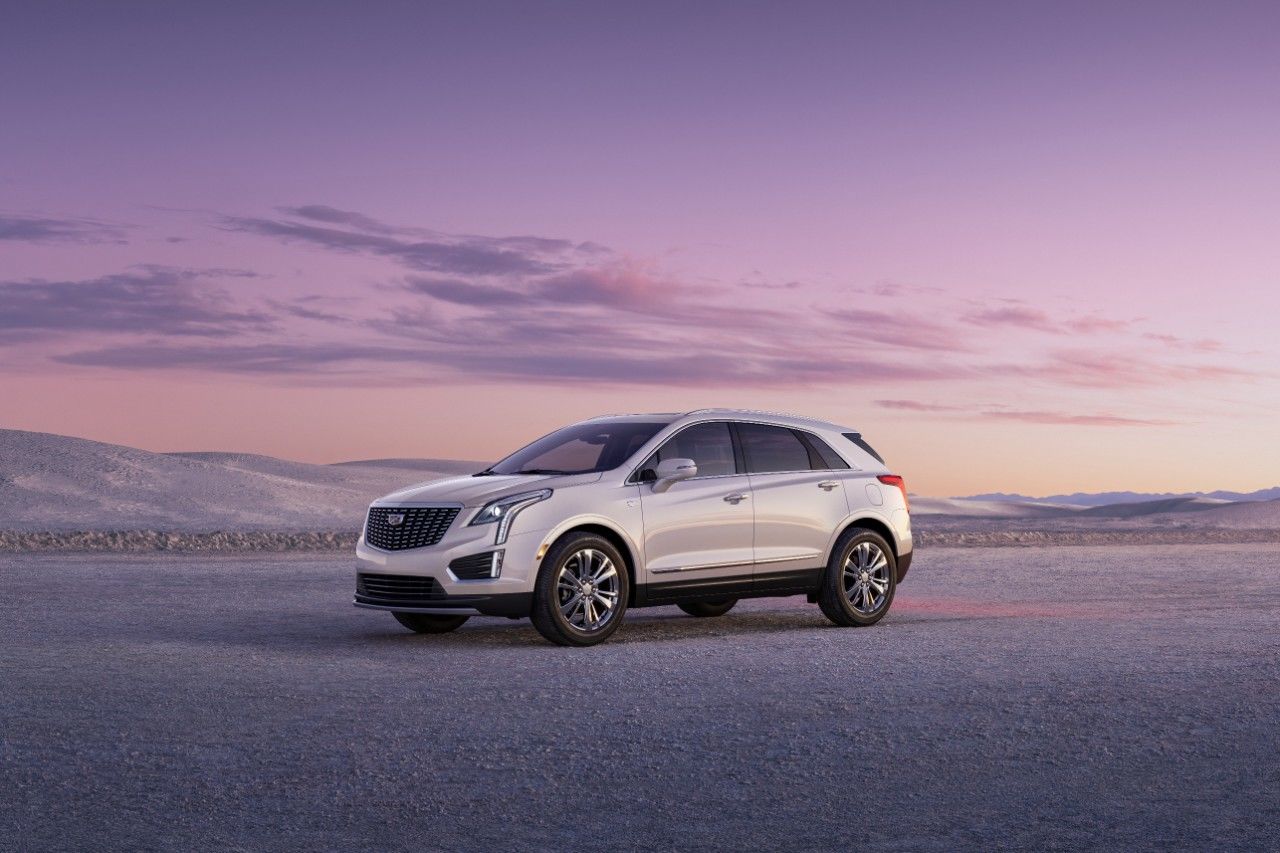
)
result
[(1197, 344), (1095, 369), (1016, 316), (1063, 419), (1024, 416), (914, 406), (1095, 323), (901, 329)]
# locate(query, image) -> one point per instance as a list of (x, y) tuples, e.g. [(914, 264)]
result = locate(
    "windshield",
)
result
[(580, 449)]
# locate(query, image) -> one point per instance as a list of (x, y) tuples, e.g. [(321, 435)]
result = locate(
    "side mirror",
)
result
[(672, 471)]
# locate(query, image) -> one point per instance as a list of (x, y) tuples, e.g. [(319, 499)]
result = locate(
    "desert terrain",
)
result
[(72, 494), (1060, 698), (183, 667)]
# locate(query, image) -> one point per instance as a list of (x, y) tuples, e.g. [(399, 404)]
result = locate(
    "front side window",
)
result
[(772, 448), (709, 445), (580, 449)]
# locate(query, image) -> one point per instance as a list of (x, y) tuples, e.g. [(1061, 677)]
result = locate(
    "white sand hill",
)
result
[(59, 484), (53, 482)]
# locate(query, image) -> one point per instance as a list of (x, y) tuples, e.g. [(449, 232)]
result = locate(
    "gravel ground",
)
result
[(1034, 698)]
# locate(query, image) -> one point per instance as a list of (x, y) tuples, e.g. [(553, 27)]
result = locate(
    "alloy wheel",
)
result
[(587, 589), (866, 578)]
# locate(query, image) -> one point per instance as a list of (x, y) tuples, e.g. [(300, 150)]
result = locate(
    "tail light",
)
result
[(895, 480)]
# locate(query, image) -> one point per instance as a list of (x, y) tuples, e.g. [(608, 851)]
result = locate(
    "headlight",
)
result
[(503, 510)]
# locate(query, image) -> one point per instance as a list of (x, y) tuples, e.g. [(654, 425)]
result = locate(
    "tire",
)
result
[(860, 579), (430, 623), (580, 563), (708, 608)]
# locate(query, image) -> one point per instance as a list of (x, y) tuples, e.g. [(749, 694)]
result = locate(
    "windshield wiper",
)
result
[(544, 471), (487, 472)]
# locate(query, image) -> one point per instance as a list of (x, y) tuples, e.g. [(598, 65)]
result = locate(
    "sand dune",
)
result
[(88, 495), (52, 482), (1238, 515), (968, 508), (448, 466)]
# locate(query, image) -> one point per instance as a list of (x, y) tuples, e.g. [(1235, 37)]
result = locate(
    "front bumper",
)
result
[(514, 605), (418, 580)]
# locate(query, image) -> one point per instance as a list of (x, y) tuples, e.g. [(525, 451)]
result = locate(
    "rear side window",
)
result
[(709, 445), (821, 453), (856, 438), (770, 448)]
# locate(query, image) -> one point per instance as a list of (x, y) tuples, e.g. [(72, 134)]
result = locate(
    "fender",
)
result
[(632, 551), (865, 514)]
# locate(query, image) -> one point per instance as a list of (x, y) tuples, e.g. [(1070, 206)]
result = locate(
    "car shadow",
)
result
[(339, 631)]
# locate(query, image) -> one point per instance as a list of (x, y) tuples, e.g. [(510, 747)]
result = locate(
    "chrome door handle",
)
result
[(828, 485), (737, 497)]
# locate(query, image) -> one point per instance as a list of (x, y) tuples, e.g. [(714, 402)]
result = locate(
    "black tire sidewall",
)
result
[(548, 619), (833, 596)]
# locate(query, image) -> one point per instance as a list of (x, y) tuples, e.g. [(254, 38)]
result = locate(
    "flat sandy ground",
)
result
[(1056, 698)]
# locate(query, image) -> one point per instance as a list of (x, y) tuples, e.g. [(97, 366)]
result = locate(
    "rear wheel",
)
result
[(581, 592), (708, 608), (858, 585), (430, 623)]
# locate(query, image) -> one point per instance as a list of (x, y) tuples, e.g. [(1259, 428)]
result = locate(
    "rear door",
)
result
[(699, 531), (799, 502)]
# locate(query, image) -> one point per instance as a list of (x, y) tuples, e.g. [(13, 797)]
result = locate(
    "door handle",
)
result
[(737, 497), (828, 485)]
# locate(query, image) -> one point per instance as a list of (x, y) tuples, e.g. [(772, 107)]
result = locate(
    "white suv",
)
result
[(696, 510)]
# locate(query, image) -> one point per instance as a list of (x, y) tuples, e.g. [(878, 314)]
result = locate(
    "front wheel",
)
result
[(430, 623), (859, 582), (708, 608), (581, 592)]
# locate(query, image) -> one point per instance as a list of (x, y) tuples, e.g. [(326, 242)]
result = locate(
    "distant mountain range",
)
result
[(1109, 498), (59, 483)]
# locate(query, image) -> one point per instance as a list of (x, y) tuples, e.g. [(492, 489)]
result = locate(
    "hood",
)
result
[(477, 491)]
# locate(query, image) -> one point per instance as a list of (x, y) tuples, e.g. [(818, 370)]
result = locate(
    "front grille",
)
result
[(475, 567), (420, 527), (402, 590)]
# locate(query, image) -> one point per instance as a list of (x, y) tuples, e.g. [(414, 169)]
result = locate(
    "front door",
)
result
[(698, 533)]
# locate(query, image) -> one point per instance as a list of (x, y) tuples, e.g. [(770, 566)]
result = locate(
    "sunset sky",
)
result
[(1022, 248)]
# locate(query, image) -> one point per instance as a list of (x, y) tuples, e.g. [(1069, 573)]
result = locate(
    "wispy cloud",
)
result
[(1118, 370), (1094, 324), (40, 229), (416, 248), (461, 256), (902, 329), (334, 216), (1016, 316), (988, 411), (149, 301), (510, 357), (527, 308), (1205, 345), (916, 406), (1065, 419)]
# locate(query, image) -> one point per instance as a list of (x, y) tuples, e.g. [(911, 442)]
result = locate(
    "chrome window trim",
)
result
[(631, 476), (788, 559), (809, 433)]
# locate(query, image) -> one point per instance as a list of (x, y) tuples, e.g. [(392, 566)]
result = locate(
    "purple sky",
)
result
[(1021, 247)]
